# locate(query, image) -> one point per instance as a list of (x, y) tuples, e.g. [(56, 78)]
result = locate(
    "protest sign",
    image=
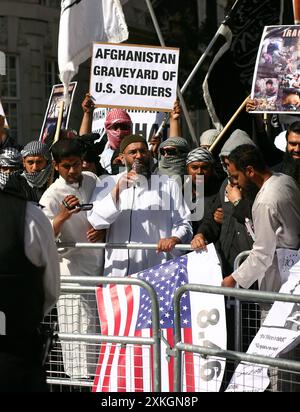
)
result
[(144, 122), (134, 76), (51, 116), (279, 333), (276, 80)]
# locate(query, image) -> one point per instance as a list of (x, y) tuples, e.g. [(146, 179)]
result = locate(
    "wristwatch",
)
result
[(236, 202)]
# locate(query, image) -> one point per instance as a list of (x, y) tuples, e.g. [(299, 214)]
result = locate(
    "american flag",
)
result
[(125, 310)]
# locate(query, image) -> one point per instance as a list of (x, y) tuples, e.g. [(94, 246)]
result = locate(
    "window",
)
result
[(11, 111), (10, 94), (9, 82), (51, 76)]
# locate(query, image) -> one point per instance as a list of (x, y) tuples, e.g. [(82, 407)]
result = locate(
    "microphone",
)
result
[(138, 167)]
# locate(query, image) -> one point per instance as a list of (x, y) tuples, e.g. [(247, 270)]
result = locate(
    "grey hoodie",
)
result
[(237, 138)]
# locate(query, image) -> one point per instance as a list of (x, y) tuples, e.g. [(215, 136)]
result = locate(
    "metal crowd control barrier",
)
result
[(180, 346), (75, 285), (154, 341), (146, 246), (79, 285), (237, 304)]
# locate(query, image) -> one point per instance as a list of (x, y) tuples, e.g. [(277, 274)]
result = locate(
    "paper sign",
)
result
[(134, 76)]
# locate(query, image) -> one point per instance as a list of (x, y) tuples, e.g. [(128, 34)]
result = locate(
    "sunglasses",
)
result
[(169, 152), (121, 126)]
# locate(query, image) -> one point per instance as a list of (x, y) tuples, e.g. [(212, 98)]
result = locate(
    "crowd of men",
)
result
[(135, 195)]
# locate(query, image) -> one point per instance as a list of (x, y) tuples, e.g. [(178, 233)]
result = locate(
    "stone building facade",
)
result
[(29, 37)]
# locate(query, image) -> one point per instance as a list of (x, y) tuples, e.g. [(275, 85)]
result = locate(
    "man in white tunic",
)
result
[(139, 210), (70, 224)]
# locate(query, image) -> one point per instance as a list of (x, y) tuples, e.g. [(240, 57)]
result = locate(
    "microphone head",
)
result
[(138, 167)]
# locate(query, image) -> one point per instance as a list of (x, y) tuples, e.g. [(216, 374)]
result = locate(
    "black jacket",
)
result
[(231, 237)]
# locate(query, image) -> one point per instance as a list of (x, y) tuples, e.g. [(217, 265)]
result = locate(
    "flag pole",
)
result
[(296, 8), (182, 102), (61, 106), (229, 123)]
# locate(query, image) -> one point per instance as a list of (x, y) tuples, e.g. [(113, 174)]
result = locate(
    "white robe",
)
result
[(77, 313), (74, 261), (144, 215)]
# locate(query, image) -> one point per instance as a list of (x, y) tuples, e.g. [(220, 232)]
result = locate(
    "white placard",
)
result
[(279, 333), (134, 76)]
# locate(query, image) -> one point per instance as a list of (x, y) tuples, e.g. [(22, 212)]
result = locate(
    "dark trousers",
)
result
[(21, 374)]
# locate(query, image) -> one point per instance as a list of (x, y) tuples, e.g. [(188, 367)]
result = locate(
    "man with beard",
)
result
[(224, 223), (134, 212), (290, 164), (273, 227), (287, 162)]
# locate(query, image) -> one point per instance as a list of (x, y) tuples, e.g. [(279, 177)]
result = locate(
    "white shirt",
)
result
[(276, 220), (106, 156), (74, 261), (41, 250), (143, 216)]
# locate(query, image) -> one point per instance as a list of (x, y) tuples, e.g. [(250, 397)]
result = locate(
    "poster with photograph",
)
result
[(276, 80), (51, 116)]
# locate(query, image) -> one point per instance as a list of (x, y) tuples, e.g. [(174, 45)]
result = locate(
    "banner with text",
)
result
[(144, 122), (134, 76), (279, 333)]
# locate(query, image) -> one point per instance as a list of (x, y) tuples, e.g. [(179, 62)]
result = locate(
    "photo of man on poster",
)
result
[(276, 80)]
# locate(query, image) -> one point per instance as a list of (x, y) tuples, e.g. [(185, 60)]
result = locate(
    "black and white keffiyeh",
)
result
[(38, 179), (36, 148), (199, 155), (10, 157)]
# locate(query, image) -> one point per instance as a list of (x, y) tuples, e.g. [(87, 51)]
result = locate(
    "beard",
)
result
[(291, 167), (250, 191)]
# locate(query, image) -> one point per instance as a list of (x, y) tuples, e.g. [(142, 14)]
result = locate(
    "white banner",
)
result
[(134, 76), (143, 122), (280, 331)]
